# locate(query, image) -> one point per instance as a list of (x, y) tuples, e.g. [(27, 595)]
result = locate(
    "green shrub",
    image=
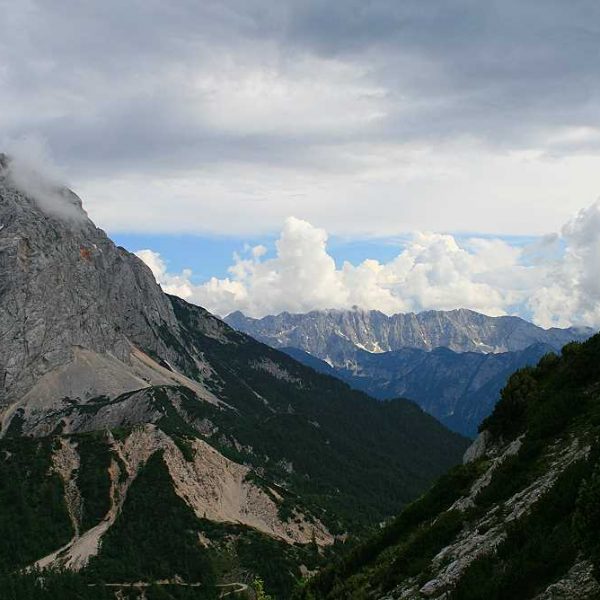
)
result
[(586, 521)]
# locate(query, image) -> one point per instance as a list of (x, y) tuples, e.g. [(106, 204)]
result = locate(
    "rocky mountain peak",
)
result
[(41, 192), (65, 286), (335, 335)]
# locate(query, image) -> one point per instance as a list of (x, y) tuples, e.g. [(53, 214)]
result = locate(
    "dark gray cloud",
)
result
[(504, 71), (159, 86)]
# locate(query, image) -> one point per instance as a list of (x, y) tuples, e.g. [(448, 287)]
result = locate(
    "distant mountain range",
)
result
[(143, 439), (328, 334), (452, 363)]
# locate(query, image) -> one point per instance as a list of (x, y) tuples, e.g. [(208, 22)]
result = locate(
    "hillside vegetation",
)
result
[(520, 521)]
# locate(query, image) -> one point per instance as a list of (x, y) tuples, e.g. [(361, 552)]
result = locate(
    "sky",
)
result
[(421, 154)]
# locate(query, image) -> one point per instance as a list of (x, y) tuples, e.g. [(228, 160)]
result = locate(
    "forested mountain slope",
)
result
[(519, 520), (458, 388)]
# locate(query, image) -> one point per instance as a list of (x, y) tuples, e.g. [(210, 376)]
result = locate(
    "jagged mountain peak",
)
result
[(75, 307), (333, 334)]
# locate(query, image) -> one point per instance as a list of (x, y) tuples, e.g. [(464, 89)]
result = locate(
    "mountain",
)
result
[(518, 521), (459, 389), (453, 364), (144, 440), (333, 335)]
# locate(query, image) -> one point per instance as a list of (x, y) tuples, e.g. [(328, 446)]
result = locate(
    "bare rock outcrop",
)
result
[(578, 584), (220, 490), (485, 534)]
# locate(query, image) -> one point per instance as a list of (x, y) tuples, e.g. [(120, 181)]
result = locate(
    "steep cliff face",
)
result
[(65, 286), (518, 520), (332, 335)]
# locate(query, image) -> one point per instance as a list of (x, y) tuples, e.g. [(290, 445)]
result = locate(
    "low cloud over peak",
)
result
[(31, 171)]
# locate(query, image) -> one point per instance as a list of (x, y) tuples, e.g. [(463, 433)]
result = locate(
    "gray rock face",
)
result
[(478, 448), (64, 285), (332, 335), (578, 584)]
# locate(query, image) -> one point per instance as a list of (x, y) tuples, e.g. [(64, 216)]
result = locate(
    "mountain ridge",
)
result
[(452, 363), (328, 334)]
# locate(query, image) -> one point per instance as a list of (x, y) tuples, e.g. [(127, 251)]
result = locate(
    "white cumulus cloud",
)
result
[(570, 288), (178, 285), (555, 281)]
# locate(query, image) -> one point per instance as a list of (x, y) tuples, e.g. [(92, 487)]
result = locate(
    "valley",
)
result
[(299, 300), (452, 364), (150, 440)]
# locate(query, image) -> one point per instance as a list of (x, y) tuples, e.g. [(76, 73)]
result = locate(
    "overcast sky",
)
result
[(362, 116), (365, 118)]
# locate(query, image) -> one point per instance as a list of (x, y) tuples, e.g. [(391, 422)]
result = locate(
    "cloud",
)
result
[(365, 117), (432, 271), (178, 285), (32, 172), (570, 290)]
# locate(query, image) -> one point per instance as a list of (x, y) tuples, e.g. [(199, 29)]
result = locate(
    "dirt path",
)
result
[(140, 585), (241, 587)]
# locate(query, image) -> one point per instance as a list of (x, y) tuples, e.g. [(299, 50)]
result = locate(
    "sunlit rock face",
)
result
[(64, 285), (332, 335)]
